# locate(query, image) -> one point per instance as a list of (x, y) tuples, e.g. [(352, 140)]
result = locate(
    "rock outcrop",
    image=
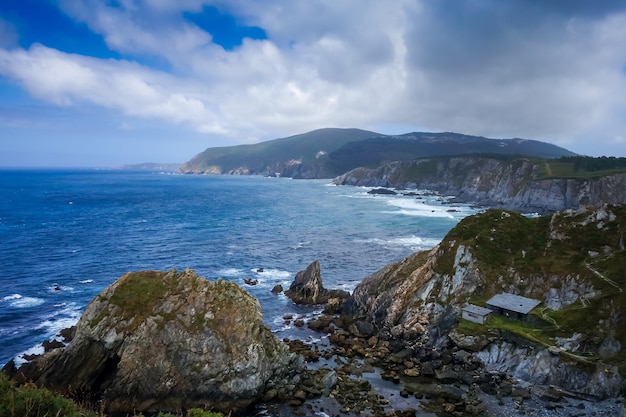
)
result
[(572, 262), (168, 341), (307, 287), (491, 182)]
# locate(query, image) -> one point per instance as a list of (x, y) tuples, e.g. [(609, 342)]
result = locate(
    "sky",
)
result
[(112, 82)]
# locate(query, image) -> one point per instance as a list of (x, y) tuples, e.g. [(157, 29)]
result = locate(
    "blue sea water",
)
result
[(66, 235)]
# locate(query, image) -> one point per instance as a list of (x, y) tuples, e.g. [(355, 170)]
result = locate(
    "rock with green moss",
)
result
[(573, 262), (168, 341)]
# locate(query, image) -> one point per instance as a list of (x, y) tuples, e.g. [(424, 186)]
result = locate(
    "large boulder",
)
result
[(168, 341), (307, 287)]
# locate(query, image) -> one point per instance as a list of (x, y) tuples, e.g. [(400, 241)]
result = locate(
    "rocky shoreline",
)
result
[(350, 372), (442, 381), (166, 341), (442, 372)]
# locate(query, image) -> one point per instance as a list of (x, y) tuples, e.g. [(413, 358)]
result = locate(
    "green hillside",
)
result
[(418, 145), (267, 158), (326, 153)]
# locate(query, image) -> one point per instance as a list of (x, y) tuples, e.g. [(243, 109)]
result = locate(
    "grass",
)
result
[(581, 168), (30, 401), (538, 333), (532, 255)]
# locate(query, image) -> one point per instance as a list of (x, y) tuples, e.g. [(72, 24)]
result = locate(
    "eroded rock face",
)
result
[(168, 341), (307, 287), (491, 182)]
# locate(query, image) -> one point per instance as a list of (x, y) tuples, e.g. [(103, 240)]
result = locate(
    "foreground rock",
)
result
[(168, 341), (307, 287)]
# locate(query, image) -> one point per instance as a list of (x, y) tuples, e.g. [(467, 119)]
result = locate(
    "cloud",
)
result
[(511, 68), (518, 68)]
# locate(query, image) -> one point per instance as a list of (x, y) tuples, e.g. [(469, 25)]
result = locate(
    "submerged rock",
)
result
[(307, 287), (168, 341)]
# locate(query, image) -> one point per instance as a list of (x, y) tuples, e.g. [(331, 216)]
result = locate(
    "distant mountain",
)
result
[(152, 166), (300, 156), (376, 150), (326, 153)]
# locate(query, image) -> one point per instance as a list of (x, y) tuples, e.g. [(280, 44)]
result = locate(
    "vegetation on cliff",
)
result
[(30, 401), (574, 262), (580, 167), (578, 253)]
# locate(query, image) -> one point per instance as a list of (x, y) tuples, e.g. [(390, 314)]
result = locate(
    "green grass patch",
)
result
[(580, 167), (29, 401)]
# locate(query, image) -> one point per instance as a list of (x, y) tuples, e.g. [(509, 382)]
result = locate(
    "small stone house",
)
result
[(476, 314), (511, 305)]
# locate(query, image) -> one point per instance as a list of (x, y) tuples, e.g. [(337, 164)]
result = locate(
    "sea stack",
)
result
[(307, 287)]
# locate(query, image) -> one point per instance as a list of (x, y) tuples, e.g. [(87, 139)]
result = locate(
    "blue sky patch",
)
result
[(224, 28), (40, 21)]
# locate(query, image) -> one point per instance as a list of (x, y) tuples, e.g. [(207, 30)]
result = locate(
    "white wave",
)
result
[(422, 213), (12, 297), (413, 242), (301, 245), (275, 274), (415, 208), (55, 288), (86, 281), (19, 301), (35, 350), (230, 272), (61, 319)]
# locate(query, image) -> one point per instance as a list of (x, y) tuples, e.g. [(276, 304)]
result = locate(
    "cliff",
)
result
[(574, 262), (167, 341), (519, 184)]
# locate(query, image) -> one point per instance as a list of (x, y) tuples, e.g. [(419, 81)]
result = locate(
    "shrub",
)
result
[(29, 401)]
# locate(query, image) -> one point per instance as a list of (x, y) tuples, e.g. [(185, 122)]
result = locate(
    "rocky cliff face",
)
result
[(573, 262), (492, 182), (168, 341)]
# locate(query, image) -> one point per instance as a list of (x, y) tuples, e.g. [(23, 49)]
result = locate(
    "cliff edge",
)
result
[(521, 184)]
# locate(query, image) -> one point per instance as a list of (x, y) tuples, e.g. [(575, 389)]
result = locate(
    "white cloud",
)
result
[(485, 68)]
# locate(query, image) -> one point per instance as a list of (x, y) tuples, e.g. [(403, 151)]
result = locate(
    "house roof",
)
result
[(481, 311), (513, 302)]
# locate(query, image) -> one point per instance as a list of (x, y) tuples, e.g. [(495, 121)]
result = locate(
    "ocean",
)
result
[(65, 235)]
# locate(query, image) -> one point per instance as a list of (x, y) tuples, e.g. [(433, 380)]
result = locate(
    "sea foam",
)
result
[(19, 301)]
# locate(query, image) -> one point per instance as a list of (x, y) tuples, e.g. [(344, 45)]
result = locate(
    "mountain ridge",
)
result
[(329, 152)]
